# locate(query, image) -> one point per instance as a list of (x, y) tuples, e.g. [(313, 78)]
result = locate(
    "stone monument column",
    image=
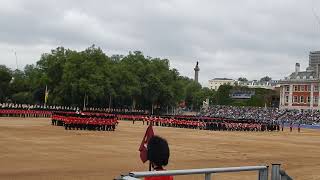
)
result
[(196, 72)]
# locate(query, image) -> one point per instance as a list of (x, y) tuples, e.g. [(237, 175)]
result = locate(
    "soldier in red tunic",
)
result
[(158, 155)]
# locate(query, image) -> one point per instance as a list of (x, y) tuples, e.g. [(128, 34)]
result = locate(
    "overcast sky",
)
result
[(249, 38)]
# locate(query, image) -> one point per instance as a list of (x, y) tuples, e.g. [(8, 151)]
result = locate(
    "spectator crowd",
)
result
[(263, 114)]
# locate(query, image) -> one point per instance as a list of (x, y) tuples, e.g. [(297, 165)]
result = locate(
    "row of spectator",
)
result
[(263, 114)]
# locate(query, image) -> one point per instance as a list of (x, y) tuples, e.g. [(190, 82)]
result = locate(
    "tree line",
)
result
[(91, 77)]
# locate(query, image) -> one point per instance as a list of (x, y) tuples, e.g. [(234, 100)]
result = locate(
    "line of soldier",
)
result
[(122, 111), (24, 113), (37, 107), (28, 110), (212, 124), (80, 121)]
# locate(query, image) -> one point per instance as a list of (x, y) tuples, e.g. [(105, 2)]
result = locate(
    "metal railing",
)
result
[(208, 172), (278, 174)]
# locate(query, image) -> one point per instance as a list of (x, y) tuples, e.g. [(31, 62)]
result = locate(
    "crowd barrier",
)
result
[(263, 171), (207, 172), (307, 126)]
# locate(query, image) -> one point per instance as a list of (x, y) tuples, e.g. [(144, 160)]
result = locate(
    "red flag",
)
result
[(143, 146)]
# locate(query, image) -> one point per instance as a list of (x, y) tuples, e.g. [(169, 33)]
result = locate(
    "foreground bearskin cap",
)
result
[(158, 151)]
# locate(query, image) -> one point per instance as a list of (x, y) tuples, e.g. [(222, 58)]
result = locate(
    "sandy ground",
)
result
[(33, 149)]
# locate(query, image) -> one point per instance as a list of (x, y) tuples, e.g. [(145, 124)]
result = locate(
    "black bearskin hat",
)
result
[(158, 151)]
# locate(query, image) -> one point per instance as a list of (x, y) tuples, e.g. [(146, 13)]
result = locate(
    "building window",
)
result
[(316, 88), (295, 99), (287, 99), (296, 88), (308, 99), (287, 88), (315, 99), (302, 88), (309, 88), (301, 99)]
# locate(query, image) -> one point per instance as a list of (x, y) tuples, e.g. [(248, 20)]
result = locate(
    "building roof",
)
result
[(303, 75), (314, 52), (222, 79)]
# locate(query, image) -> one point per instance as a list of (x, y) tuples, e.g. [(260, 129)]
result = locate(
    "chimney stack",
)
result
[(297, 68)]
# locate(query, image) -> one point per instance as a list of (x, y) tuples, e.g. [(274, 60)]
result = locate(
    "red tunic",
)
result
[(159, 177)]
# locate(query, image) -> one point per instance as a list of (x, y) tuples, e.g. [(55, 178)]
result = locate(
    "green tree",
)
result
[(192, 90), (256, 101), (22, 98), (242, 79), (223, 95), (19, 82), (5, 78), (202, 95), (118, 81), (83, 77), (266, 79), (34, 77)]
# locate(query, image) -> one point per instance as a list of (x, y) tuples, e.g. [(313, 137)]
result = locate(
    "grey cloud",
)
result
[(230, 38)]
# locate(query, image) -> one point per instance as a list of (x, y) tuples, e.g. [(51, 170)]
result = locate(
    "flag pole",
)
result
[(45, 95), (149, 160), (84, 102), (143, 146)]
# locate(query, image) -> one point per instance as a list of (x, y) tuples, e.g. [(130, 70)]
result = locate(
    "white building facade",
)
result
[(257, 84), (217, 82)]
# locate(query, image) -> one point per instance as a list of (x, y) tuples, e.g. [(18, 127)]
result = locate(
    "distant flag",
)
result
[(46, 95), (143, 146)]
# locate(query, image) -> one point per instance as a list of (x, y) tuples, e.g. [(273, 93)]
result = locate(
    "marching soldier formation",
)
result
[(88, 121)]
